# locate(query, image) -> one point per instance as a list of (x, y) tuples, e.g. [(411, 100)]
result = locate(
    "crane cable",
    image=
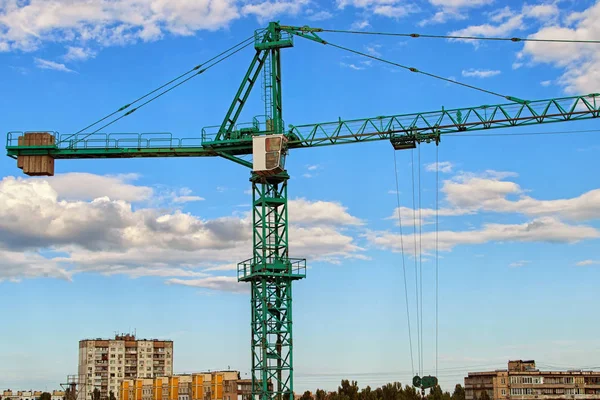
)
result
[(437, 208), (412, 69), (245, 43), (412, 362), (420, 253), (419, 340), (418, 35)]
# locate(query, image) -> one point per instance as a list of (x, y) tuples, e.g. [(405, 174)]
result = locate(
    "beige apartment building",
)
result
[(105, 363), (216, 385), (523, 381), (21, 394)]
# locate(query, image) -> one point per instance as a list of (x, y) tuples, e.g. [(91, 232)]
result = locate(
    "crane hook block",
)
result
[(268, 153), (39, 164)]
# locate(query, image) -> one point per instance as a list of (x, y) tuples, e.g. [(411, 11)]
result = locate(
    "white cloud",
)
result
[(85, 186), (359, 25), (546, 229), (222, 283), (443, 16), (388, 8), (395, 11), (17, 265), (460, 3), (508, 26), (480, 73), (46, 64), (79, 25), (545, 83), (302, 211), (26, 26), (443, 166), (78, 54), (587, 262), (312, 167), (541, 11), (352, 66), (520, 263), (318, 15), (580, 62), (372, 50), (469, 193), (108, 236), (265, 10), (452, 10)]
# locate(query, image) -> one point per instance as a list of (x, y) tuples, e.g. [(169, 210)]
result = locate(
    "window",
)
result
[(503, 381), (503, 392)]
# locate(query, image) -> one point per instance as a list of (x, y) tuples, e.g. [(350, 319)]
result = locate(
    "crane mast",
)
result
[(270, 271)]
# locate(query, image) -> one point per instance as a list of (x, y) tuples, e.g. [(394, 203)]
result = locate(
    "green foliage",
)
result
[(459, 393), (320, 395), (349, 390), (111, 396), (45, 396), (96, 394), (307, 396)]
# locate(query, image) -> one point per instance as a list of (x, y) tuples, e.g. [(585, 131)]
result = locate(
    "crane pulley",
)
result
[(270, 270)]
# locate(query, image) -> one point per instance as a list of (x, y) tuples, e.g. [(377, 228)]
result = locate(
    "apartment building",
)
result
[(217, 385), (105, 363), (21, 394), (58, 395), (523, 381)]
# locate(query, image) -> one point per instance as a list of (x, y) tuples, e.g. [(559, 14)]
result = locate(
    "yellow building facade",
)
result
[(197, 386)]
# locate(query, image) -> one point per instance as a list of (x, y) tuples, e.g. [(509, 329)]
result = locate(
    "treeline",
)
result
[(392, 391)]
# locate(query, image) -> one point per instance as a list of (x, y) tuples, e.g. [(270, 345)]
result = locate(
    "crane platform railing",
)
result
[(109, 140)]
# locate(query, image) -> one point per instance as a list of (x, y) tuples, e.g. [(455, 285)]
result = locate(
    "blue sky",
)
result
[(118, 245)]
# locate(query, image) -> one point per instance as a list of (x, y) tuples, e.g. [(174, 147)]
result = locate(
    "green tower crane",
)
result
[(270, 271)]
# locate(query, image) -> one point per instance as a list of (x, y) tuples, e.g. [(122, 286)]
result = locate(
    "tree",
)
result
[(307, 396), (70, 394), (96, 394), (459, 393), (45, 396), (320, 395), (348, 391), (111, 396)]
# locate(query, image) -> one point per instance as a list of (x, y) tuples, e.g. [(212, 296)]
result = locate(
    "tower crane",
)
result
[(270, 271)]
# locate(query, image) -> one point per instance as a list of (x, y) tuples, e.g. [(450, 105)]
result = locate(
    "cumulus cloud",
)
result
[(585, 263), (468, 193), (388, 8), (46, 64), (546, 229), (580, 62), (82, 25), (78, 54), (443, 166), (85, 186), (109, 236), (264, 10), (452, 10), (302, 211), (552, 221), (223, 283), (517, 264), (480, 73)]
